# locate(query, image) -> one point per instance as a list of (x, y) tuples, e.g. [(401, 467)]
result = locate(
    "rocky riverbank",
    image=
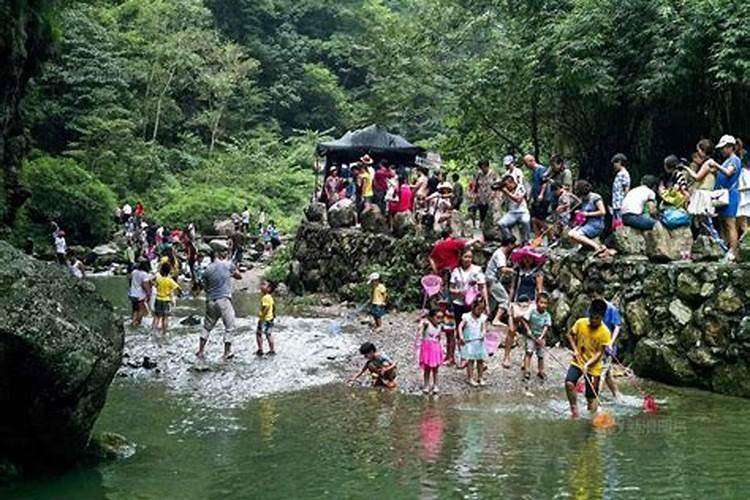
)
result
[(685, 316)]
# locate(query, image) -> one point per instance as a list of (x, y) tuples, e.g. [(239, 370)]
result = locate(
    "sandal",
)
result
[(259, 352)]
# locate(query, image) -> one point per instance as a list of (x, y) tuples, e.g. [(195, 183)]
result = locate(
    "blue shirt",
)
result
[(612, 317), (537, 177), (730, 182)]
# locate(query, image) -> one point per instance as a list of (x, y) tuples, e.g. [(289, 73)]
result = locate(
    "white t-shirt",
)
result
[(137, 280), (246, 217), (60, 245), (517, 175), (463, 279), (127, 209), (521, 207), (497, 262), (636, 200)]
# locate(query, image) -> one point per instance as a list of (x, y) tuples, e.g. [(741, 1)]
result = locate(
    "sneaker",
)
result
[(481, 382), (425, 390), (435, 390), (259, 352), (472, 383)]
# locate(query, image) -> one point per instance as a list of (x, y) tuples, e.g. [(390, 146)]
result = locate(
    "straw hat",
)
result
[(366, 160), (373, 277)]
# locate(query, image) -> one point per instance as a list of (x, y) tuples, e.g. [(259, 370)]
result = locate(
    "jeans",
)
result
[(522, 219), (641, 222)]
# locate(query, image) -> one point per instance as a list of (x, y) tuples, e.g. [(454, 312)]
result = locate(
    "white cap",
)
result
[(726, 140), (508, 160), (373, 277)]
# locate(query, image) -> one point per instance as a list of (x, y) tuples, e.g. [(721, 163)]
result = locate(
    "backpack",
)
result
[(673, 218)]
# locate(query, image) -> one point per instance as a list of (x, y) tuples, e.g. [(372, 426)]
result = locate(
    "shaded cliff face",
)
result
[(686, 323), (60, 346)]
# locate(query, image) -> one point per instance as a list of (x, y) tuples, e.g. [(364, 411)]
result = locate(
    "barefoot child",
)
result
[(265, 318), (449, 329), (378, 302), (430, 349), (537, 323), (587, 338), (613, 320), (380, 366), (165, 289), (471, 332)]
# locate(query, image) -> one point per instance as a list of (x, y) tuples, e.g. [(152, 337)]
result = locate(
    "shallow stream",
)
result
[(287, 428)]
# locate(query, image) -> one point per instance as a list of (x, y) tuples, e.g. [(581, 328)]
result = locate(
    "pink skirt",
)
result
[(430, 354)]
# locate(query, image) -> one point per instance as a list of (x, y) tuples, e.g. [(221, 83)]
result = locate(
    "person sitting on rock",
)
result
[(639, 206), (518, 211), (589, 219)]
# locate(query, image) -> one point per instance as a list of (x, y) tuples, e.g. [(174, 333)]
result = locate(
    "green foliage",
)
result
[(278, 269), (65, 193)]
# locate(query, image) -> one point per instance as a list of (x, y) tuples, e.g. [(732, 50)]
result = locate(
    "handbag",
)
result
[(719, 198), (675, 217)]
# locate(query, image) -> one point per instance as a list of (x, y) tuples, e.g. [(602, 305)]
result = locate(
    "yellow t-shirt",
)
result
[(367, 177), (165, 287), (379, 295), (266, 306), (589, 342)]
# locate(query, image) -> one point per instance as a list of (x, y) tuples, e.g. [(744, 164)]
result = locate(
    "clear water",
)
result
[(341, 442)]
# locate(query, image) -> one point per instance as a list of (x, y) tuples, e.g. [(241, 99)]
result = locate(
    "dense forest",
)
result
[(198, 107)]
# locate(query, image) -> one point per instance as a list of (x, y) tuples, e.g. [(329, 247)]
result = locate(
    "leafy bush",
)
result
[(63, 192), (278, 270)]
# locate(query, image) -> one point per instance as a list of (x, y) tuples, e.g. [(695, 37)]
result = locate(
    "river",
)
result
[(286, 428)]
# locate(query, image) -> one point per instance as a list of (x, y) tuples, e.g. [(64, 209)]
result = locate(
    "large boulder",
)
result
[(657, 359), (316, 212), (373, 221), (224, 227), (60, 346), (627, 241), (403, 224), (341, 214), (663, 245)]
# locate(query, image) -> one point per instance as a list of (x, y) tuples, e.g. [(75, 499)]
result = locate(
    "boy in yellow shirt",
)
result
[(379, 300), (266, 315), (165, 287), (588, 337)]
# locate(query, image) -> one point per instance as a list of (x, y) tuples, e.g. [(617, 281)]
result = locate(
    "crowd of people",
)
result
[(710, 190), (508, 298)]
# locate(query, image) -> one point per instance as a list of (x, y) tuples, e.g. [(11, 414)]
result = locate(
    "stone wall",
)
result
[(686, 322)]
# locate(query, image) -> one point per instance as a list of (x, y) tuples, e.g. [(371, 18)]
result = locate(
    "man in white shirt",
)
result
[(512, 169), (61, 246), (127, 212), (639, 206)]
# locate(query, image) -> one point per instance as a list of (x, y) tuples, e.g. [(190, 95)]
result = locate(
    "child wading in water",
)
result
[(165, 289), (537, 323), (588, 337), (380, 366), (430, 349), (378, 301), (266, 315), (471, 332)]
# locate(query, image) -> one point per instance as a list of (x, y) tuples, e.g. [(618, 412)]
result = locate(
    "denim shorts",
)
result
[(377, 311), (264, 328)]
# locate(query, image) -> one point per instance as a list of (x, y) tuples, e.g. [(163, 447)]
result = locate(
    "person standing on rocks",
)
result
[(61, 246), (140, 289), (621, 184), (483, 182), (217, 279)]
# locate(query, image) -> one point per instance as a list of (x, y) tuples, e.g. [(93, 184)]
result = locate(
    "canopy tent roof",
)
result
[(372, 140)]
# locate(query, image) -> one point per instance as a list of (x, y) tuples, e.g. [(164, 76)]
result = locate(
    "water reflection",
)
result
[(431, 434)]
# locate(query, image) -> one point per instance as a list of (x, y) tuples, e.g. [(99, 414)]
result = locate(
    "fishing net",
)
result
[(604, 420), (649, 404)]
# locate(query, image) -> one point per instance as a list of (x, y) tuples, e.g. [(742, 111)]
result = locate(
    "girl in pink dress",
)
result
[(430, 349)]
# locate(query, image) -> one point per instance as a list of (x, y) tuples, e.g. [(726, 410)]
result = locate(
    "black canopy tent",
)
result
[(374, 141)]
